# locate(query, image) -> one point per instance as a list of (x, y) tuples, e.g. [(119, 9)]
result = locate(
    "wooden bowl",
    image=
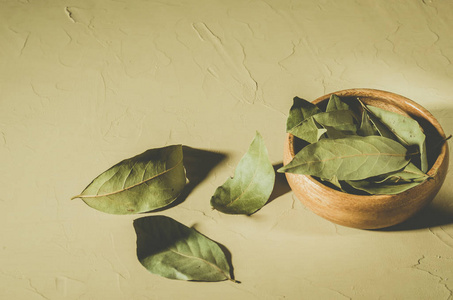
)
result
[(374, 211)]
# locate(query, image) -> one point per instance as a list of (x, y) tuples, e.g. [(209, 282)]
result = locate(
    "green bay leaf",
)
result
[(145, 182), (252, 184), (337, 120), (409, 174), (308, 130), (350, 158), (299, 111), (390, 183), (407, 131), (336, 124), (366, 126), (336, 103), (381, 188), (170, 249)]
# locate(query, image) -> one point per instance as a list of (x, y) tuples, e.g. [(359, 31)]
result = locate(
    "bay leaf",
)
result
[(145, 182), (299, 111), (350, 158), (170, 249), (406, 129), (382, 188), (333, 133), (366, 126), (391, 183), (252, 184), (336, 103), (308, 130), (339, 120), (381, 129), (410, 173)]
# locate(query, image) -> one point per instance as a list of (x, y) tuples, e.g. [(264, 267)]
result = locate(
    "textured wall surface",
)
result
[(85, 84)]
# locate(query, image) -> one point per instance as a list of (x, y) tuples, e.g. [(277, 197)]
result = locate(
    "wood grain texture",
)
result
[(377, 211)]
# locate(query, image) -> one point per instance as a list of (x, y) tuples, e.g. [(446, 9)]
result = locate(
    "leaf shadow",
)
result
[(198, 164), (281, 185)]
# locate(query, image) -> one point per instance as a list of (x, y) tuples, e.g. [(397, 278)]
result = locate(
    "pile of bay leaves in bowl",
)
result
[(364, 158)]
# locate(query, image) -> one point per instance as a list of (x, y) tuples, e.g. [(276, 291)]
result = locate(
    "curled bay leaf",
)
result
[(145, 182), (170, 249), (300, 110), (350, 158), (252, 184), (406, 129)]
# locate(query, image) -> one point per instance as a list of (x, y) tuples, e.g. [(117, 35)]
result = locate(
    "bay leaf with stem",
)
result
[(145, 182), (350, 158), (170, 249), (299, 111), (406, 129), (252, 184)]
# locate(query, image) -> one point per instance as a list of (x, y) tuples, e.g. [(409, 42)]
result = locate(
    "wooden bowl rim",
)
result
[(392, 98)]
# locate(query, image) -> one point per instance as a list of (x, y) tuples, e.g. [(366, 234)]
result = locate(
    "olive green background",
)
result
[(85, 84)]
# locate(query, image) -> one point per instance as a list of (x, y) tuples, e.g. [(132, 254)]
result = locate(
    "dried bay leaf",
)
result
[(391, 183), (350, 158), (146, 182), (409, 174), (333, 133), (170, 249), (381, 129), (308, 130), (367, 127), (299, 111), (307, 122), (338, 120), (406, 129), (252, 184), (381, 188), (336, 124), (336, 103)]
